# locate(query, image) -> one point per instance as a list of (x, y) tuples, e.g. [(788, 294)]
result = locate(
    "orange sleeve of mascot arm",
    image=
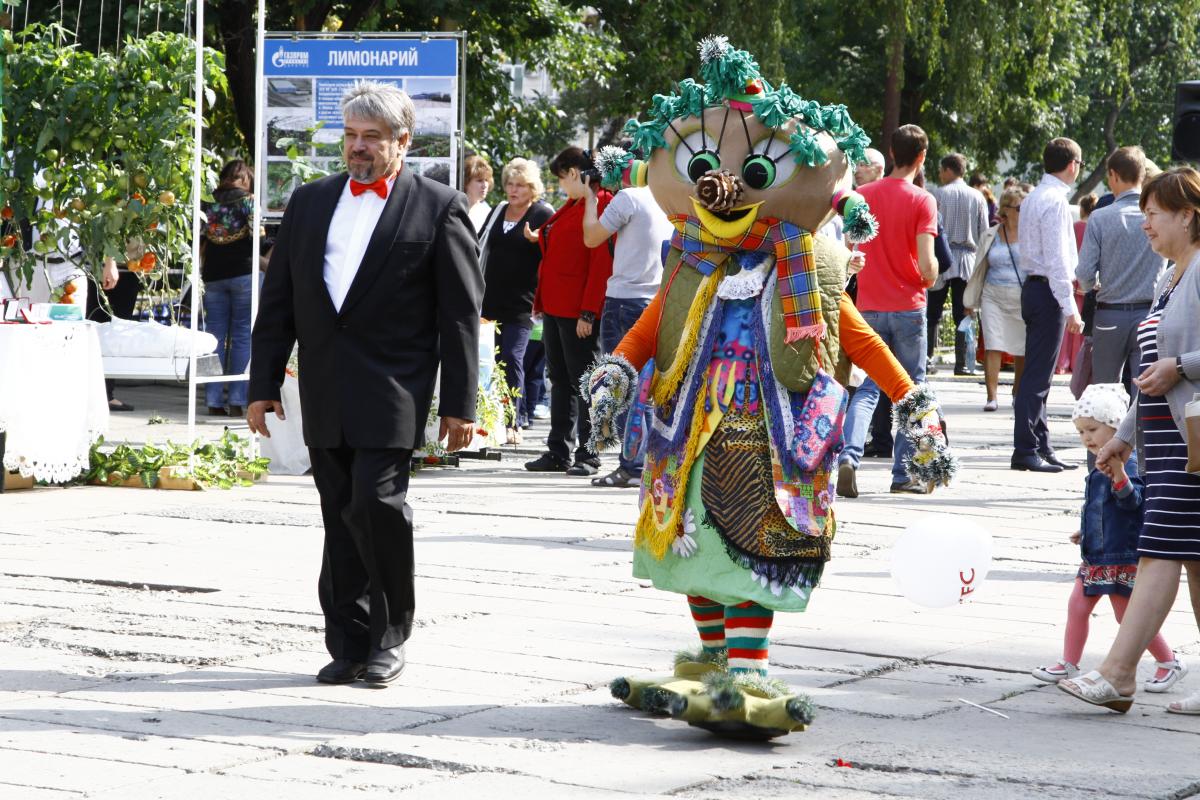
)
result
[(638, 345), (864, 347)]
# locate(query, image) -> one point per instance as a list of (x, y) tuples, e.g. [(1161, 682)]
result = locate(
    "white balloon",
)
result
[(940, 561)]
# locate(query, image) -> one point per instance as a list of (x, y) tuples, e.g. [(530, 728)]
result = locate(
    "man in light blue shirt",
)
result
[(1047, 240), (1116, 255)]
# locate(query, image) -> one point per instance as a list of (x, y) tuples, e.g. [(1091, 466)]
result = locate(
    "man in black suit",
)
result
[(376, 274)]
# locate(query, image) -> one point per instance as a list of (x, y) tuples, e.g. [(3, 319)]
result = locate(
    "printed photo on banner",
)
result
[(304, 83)]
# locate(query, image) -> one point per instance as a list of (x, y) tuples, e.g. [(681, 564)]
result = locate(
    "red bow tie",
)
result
[(379, 187)]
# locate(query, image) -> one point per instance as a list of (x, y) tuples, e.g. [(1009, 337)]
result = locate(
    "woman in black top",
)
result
[(226, 272), (510, 264)]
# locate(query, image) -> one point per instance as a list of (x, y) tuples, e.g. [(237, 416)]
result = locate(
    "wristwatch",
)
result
[(590, 318), (1179, 366)]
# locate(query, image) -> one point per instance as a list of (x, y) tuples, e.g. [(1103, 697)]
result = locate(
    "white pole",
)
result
[(260, 187), (197, 184)]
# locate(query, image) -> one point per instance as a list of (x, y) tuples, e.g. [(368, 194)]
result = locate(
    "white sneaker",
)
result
[(1056, 673), (990, 405), (1176, 669), (541, 412)]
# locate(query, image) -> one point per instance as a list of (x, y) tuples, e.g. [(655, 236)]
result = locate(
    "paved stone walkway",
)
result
[(162, 645)]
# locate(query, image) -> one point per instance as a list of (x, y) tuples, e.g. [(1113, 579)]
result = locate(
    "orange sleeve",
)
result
[(638, 344), (865, 349)]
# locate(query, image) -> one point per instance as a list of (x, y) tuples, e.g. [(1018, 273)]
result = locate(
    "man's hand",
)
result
[(110, 276), (531, 235), (1158, 378), (457, 433), (1075, 537), (256, 415), (1074, 324), (583, 328)]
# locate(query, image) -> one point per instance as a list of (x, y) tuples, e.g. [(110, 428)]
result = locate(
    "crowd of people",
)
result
[(1046, 292)]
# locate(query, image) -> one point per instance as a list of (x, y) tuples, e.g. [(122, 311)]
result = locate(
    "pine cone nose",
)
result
[(719, 190)]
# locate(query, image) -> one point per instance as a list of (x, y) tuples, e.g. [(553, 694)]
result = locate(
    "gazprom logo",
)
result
[(284, 58)]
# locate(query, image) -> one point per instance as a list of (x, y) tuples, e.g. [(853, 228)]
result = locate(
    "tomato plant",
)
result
[(98, 148)]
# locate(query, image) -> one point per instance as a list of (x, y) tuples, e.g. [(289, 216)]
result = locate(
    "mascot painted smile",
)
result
[(728, 375)]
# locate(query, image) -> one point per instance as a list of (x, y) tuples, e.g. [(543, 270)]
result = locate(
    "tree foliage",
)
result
[(98, 148), (993, 79)]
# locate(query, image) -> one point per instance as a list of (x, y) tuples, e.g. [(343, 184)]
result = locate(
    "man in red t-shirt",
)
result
[(891, 294)]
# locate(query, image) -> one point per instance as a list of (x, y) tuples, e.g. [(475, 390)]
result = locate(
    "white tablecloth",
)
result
[(52, 399)]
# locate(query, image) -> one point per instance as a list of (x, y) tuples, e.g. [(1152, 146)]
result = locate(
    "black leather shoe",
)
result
[(1052, 458), (384, 666), (874, 451), (1033, 464), (909, 487), (341, 670), (546, 462)]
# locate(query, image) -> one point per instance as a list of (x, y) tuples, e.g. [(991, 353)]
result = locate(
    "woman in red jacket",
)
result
[(570, 297)]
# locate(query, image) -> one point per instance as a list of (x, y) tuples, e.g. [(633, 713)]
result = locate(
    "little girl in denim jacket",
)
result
[(1108, 540)]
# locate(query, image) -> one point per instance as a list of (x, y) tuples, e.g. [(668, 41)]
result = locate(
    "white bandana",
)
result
[(1103, 402)]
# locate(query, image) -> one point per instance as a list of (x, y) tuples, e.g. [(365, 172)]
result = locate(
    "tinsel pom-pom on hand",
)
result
[(609, 385), (920, 420)]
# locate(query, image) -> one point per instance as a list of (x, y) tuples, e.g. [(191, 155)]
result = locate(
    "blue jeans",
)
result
[(227, 317), (619, 316), (533, 393), (513, 338), (904, 333)]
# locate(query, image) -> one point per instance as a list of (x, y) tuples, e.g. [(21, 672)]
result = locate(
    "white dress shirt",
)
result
[(1046, 234), (350, 230)]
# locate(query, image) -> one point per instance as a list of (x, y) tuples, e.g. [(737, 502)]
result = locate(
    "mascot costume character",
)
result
[(726, 377)]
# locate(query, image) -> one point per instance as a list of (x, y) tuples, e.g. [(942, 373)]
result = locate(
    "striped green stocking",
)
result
[(710, 623), (748, 632)]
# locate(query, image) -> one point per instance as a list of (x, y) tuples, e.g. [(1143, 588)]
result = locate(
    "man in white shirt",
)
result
[(376, 275), (964, 220), (1048, 259), (641, 227)]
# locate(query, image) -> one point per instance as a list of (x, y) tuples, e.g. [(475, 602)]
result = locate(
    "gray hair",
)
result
[(380, 101)]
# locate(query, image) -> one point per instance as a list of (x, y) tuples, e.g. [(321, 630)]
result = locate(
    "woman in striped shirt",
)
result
[(1170, 373)]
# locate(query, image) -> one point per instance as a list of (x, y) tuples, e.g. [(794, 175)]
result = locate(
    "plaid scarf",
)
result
[(793, 249)]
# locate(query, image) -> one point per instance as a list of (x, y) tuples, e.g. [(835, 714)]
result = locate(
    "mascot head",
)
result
[(735, 150)]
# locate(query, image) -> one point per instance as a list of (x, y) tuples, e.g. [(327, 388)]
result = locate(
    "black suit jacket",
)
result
[(367, 373)]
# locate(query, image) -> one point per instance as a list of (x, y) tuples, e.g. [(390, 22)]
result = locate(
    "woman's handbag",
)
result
[(1191, 415)]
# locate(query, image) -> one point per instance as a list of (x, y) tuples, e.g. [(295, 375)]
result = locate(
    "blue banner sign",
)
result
[(378, 58)]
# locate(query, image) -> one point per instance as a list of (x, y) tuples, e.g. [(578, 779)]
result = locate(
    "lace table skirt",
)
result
[(52, 400)]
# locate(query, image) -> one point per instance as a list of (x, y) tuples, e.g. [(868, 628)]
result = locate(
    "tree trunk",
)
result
[(239, 33), (897, 33), (1099, 172)]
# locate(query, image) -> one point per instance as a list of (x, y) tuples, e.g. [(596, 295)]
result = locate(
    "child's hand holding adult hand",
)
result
[(1113, 450)]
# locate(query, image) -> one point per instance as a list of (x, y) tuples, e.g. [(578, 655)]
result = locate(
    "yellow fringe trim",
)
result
[(666, 384), (649, 534)]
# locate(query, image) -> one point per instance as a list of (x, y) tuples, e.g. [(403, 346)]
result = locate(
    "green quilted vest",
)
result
[(794, 364)]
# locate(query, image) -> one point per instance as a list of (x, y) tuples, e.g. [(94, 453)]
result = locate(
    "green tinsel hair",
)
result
[(727, 71), (611, 162)]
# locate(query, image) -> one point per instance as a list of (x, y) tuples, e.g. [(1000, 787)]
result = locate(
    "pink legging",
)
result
[(1079, 609)]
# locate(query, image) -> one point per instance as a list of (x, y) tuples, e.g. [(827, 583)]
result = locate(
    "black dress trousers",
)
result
[(366, 583)]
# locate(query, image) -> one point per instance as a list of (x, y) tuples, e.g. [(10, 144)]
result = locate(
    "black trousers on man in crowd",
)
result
[(964, 362), (1044, 326), (366, 583), (567, 359)]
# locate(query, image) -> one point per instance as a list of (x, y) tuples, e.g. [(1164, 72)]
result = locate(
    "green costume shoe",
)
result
[(701, 693)]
